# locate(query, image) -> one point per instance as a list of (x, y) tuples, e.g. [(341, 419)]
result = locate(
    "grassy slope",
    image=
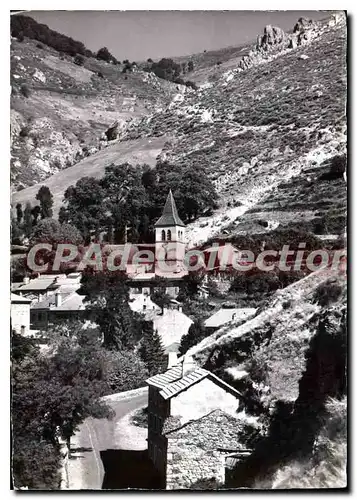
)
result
[(69, 107), (135, 152)]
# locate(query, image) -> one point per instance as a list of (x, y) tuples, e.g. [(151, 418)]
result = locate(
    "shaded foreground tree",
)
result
[(52, 394)]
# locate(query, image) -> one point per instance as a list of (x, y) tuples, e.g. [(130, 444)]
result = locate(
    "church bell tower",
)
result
[(169, 239)]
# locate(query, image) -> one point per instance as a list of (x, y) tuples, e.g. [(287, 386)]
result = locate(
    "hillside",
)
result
[(287, 361), (268, 127), (60, 111), (271, 134)]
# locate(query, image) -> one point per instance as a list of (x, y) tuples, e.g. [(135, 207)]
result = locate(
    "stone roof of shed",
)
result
[(173, 383)]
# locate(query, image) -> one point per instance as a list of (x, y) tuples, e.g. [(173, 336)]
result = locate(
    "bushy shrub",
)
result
[(191, 85), (79, 60), (25, 91), (327, 292), (103, 54), (24, 132)]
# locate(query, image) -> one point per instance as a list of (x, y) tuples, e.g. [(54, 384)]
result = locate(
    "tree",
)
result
[(108, 295), (195, 334), (104, 55), (194, 192), (19, 213), (25, 91), (52, 231), (126, 371), (159, 295), (32, 29), (44, 196), (27, 225), (151, 350), (52, 395), (83, 206), (35, 214), (190, 84), (16, 232), (166, 69), (190, 66), (126, 202)]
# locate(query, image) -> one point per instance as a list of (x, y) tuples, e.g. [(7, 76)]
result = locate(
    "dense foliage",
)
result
[(26, 26), (151, 350), (107, 295), (104, 55), (195, 334), (167, 69), (127, 201), (51, 395)]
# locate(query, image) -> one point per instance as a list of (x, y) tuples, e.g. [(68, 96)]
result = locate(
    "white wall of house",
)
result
[(143, 303), (20, 317), (171, 326), (202, 398)]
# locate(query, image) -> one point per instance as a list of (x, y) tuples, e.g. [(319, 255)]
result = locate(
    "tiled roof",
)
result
[(163, 379), (70, 302), (172, 382), (170, 216), (38, 284), (183, 383), (15, 299)]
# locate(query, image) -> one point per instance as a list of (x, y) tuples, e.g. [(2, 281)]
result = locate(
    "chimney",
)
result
[(26, 280), (188, 365), (58, 299)]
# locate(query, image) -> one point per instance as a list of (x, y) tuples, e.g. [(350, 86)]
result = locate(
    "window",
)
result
[(163, 237), (168, 235)]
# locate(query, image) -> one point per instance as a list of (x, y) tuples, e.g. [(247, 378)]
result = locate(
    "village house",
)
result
[(20, 314), (47, 284), (193, 425), (60, 306), (227, 314)]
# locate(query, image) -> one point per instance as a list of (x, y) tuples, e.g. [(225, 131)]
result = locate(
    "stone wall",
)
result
[(198, 449)]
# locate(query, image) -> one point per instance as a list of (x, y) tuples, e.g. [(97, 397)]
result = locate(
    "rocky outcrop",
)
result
[(272, 36), (275, 40)]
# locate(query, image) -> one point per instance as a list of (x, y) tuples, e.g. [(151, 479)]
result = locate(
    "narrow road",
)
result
[(85, 467)]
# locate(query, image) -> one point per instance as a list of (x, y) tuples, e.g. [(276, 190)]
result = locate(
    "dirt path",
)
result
[(95, 436)]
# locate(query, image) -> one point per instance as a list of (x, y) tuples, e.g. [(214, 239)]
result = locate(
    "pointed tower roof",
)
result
[(170, 216)]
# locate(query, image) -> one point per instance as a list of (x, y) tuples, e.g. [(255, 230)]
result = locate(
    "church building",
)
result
[(169, 240), (169, 250)]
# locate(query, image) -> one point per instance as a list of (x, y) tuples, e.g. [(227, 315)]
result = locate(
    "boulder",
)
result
[(112, 132)]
